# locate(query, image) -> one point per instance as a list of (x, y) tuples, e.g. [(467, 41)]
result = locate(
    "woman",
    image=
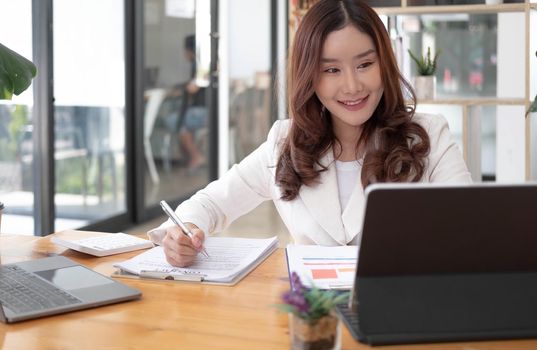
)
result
[(349, 128)]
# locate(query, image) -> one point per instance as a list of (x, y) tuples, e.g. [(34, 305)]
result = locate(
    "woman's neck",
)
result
[(345, 149)]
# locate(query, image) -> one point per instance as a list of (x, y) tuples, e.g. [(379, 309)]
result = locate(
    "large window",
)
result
[(16, 176), (83, 108), (126, 99), (89, 111), (176, 115), (250, 76), (88, 114)]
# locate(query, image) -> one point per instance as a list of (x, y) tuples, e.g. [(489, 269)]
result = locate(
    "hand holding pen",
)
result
[(181, 243)]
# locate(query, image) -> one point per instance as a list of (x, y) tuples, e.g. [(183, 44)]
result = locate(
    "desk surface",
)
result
[(177, 314)]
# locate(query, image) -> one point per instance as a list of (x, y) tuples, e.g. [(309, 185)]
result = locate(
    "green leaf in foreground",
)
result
[(16, 73)]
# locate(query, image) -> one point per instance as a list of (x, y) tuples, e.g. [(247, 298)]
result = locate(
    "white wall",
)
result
[(511, 82)]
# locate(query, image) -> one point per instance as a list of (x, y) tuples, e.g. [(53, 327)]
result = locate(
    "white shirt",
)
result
[(348, 175)]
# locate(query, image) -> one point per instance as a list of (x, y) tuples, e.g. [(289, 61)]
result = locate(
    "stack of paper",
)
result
[(230, 259), (325, 267)]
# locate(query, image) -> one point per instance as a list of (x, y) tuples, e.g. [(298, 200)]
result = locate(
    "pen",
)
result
[(171, 214), (170, 276)]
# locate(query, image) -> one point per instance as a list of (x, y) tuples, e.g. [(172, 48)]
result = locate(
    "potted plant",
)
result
[(312, 321), (16, 73), (425, 82)]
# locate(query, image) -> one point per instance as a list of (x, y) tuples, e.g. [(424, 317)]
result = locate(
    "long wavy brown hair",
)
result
[(395, 146)]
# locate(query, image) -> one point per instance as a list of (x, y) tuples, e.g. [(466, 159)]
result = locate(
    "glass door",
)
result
[(89, 111), (177, 127), (250, 75)]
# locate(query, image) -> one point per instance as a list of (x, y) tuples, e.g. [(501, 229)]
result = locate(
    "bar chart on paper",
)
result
[(325, 267)]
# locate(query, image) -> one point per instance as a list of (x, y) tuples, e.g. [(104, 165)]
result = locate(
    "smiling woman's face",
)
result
[(349, 83)]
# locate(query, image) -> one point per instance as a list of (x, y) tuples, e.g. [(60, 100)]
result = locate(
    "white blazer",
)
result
[(315, 216)]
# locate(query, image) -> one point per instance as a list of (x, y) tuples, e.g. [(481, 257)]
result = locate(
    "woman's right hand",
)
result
[(180, 250)]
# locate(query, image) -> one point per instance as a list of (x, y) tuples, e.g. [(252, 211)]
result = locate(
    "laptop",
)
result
[(445, 263), (55, 285)]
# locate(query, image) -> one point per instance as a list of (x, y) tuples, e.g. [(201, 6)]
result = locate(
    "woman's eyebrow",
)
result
[(360, 55)]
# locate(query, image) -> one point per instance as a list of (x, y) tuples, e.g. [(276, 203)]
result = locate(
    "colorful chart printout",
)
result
[(326, 267)]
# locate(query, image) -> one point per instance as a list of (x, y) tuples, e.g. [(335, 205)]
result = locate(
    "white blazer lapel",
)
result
[(353, 214), (322, 200)]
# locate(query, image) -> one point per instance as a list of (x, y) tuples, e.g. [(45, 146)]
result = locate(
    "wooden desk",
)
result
[(175, 315)]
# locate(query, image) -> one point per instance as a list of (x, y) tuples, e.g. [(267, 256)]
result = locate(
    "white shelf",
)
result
[(471, 9), (478, 101)]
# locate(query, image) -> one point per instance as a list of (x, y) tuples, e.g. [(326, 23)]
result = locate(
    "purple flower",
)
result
[(296, 297), (296, 283), (296, 300), (309, 304)]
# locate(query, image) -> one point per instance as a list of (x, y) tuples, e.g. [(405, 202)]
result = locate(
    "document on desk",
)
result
[(230, 260), (325, 267)]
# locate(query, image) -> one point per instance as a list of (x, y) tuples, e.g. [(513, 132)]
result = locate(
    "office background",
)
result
[(95, 144)]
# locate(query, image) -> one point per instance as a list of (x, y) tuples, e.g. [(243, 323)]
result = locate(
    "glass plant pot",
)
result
[(325, 334)]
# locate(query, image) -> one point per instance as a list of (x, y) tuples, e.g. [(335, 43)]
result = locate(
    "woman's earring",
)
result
[(323, 111)]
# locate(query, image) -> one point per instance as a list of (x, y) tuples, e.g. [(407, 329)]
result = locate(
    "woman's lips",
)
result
[(354, 105)]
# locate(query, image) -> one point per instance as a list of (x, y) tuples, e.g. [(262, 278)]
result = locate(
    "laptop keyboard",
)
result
[(22, 291), (350, 319)]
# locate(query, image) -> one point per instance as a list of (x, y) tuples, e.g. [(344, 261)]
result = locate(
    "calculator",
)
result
[(104, 245)]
